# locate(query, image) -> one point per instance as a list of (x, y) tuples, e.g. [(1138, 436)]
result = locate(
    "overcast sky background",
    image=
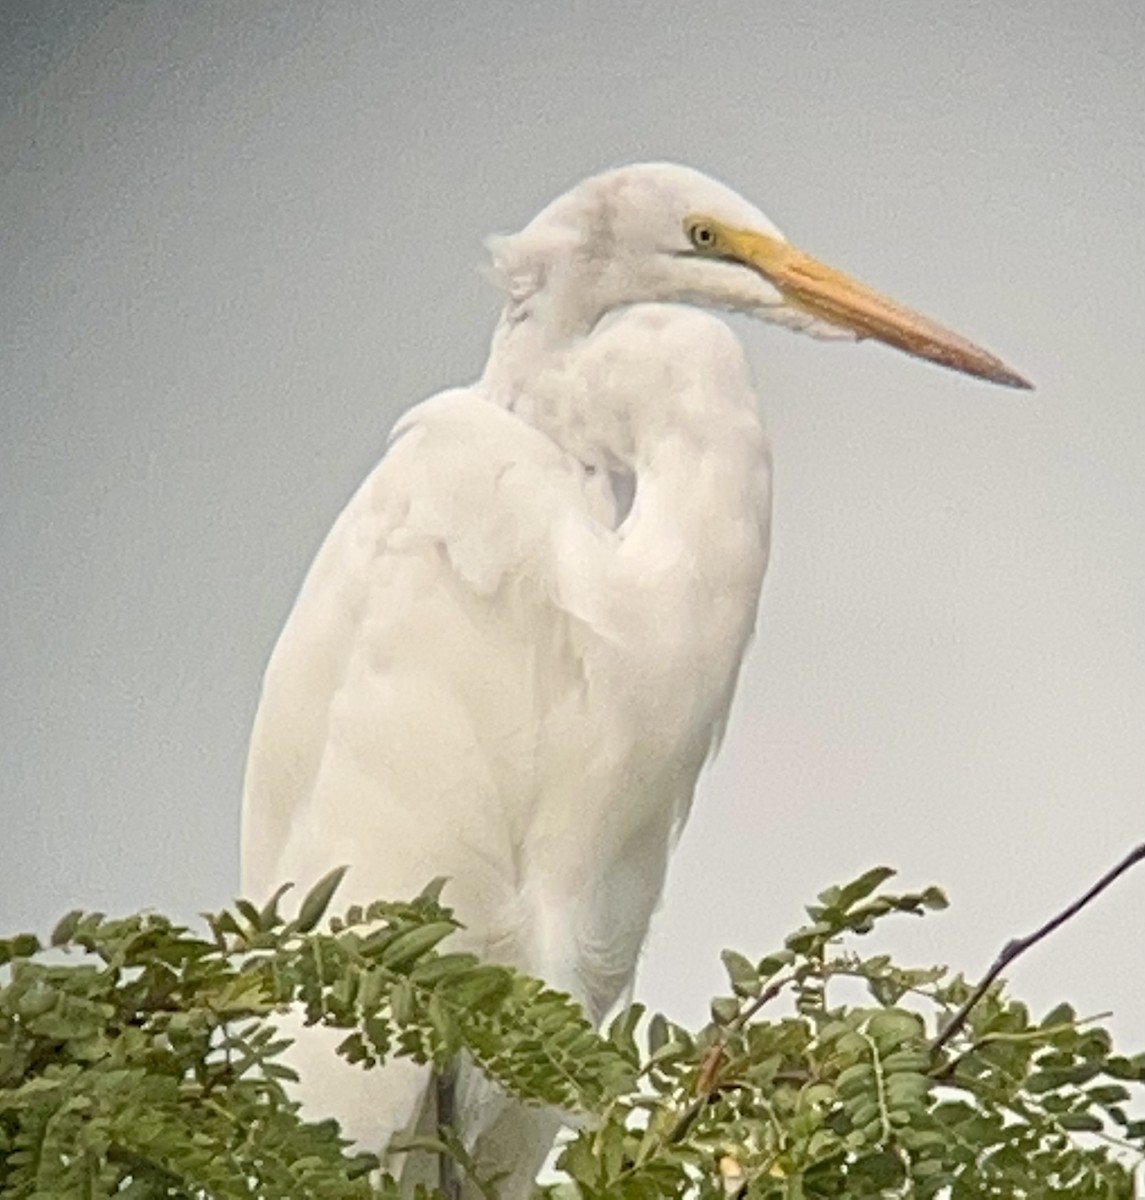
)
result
[(236, 241)]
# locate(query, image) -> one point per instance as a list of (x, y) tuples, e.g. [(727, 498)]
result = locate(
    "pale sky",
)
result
[(238, 240)]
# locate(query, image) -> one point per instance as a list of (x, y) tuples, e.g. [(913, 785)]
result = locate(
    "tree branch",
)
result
[(713, 1060), (1016, 946), (445, 1087)]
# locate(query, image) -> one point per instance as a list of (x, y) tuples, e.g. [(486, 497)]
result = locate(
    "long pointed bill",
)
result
[(832, 296)]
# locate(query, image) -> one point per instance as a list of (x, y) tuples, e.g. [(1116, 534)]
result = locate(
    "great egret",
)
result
[(517, 647)]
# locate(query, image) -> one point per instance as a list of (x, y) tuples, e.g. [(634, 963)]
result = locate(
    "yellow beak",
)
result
[(832, 296)]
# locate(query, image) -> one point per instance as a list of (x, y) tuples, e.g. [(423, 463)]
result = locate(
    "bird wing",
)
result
[(398, 723), (414, 621)]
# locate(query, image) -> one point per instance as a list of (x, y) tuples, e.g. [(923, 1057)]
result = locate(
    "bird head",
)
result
[(659, 232)]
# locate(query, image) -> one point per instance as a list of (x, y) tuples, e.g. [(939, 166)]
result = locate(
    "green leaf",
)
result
[(65, 927), (772, 964), (1081, 1122), (622, 1032), (481, 987), (658, 1033), (447, 1034), (859, 889), (268, 917), (1118, 1066), (857, 1078), (249, 913), (317, 901), (1059, 1077), (432, 890), (441, 966), (809, 938), (23, 945), (724, 1010), (1061, 1014), (894, 1026), (741, 971), (402, 1002), (408, 947)]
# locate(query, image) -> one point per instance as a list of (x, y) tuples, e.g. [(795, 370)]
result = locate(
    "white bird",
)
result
[(517, 647)]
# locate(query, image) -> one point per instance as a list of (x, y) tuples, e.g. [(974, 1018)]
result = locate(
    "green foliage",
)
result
[(142, 1063)]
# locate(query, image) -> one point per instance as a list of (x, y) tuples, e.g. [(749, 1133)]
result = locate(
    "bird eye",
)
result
[(701, 235)]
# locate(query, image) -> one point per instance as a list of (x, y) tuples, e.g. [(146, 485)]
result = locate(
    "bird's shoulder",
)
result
[(403, 622), (463, 481)]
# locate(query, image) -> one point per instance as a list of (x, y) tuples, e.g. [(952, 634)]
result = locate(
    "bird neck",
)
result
[(536, 333), (654, 400), (519, 345), (545, 371)]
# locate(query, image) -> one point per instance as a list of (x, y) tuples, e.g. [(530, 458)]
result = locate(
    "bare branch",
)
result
[(445, 1087), (1017, 946), (713, 1060)]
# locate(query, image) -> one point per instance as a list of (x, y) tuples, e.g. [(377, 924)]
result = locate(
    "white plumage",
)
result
[(518, 645)]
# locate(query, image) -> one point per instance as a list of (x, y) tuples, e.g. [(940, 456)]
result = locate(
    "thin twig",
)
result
[(1017, 946), (445, 1087), (713, 1060), (768, 994)]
